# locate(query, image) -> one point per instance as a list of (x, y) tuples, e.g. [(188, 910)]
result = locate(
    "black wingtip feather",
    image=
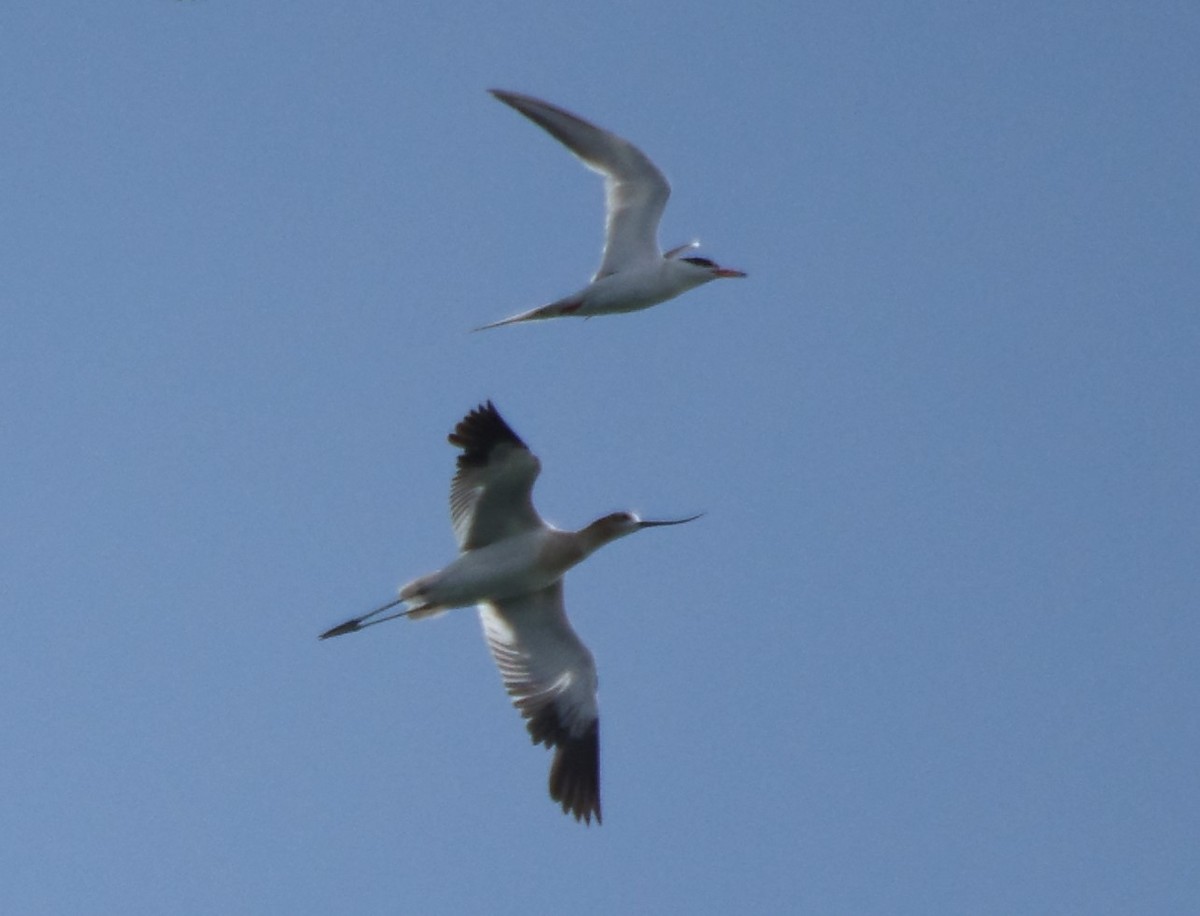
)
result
[(575, 776), (575, 772), (479, 432)]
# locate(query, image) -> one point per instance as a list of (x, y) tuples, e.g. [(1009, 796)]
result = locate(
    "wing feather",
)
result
[(491, 495), (551, 677), (636, 191)]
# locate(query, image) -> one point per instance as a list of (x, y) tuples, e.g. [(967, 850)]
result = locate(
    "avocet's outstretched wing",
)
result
[(491, 496), (551, 677)]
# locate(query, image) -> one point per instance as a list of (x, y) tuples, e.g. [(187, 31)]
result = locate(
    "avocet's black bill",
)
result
[(358, 623), (677, 521)]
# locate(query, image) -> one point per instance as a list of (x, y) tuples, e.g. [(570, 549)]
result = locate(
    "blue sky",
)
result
[(933, 648)]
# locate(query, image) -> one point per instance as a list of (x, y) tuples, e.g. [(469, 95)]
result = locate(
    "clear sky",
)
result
[(932, 649)]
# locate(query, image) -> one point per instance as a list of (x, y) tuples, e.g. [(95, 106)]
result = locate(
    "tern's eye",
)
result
[(701, 262)]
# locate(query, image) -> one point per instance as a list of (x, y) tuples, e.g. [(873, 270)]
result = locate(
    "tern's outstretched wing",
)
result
[(551, 677), (636, 191)]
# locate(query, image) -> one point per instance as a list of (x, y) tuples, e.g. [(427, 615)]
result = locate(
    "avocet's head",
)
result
[(619, 524)]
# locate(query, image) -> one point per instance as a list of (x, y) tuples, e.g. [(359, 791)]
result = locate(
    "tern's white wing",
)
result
[(636, 191), (551, 677), (491, 495)]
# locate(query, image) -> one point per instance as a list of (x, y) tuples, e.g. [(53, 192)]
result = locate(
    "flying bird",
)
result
[(634, 273), (511, 564)]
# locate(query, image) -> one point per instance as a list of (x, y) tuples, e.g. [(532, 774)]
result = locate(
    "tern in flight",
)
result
[(634, 273), (511, 563)]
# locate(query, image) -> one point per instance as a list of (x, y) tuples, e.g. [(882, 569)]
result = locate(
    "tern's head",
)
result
[(619, 524), (701, 270)]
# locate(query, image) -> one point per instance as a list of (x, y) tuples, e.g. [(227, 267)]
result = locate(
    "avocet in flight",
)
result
[(511, 563)]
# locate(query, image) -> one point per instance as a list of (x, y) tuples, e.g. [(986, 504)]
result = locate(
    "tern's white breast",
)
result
[(640, 287)]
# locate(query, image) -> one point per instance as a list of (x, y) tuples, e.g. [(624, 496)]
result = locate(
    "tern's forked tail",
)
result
[(559, 309)]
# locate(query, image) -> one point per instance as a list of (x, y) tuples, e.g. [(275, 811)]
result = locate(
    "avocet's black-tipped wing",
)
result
[(551, 676), (491, 494), (635, 190)]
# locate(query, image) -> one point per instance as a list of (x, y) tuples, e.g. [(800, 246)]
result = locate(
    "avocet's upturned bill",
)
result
[(634, 273), (511, 564)]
